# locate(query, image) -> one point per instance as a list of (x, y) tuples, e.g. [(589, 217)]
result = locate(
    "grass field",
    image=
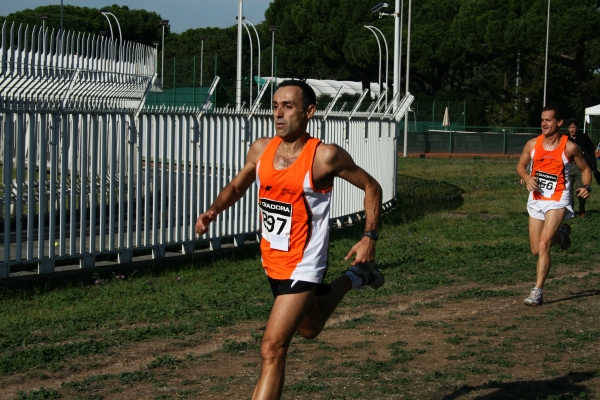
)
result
[(448, 324)]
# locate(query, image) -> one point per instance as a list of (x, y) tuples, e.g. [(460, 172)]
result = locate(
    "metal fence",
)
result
[(98, 192), (89, 176), (45, 71)]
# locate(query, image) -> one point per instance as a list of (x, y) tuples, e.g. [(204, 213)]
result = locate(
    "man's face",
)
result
[(549, 123), (289, 114), (573, 130)]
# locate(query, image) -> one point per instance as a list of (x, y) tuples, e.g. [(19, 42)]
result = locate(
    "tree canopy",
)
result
[(488, 53)]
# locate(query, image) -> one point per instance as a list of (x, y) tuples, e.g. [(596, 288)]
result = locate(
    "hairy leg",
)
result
[(542, 234), (288, 312)]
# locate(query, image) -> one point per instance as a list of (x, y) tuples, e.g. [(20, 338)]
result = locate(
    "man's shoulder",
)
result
[(258, 148), (328, 152)]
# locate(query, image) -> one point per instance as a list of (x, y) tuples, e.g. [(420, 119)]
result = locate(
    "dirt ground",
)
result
[(422, 346)]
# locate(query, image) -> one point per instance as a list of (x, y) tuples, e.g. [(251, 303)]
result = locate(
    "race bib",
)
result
[(276, 223), (546, 183)]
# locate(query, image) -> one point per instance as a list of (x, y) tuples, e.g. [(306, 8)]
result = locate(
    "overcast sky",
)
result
[(182, 14)]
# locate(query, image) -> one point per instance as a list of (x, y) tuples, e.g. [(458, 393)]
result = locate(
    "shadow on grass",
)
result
[(563, 387), (419, 197), (585, 293)]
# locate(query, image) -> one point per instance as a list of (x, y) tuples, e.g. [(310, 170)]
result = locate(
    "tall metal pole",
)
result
[(397, 50), (201, 57), (162, 63), (378, 45), (272, 29), (163, 22), (546, 66), (407, 78), (386, 62), (112, 35), (258, 69), (251, 57), (106, 14), (238, 75), (61, 17)]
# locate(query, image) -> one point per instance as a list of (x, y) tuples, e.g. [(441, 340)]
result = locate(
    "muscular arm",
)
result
[(575, 152), (334, 161), (235, 189), (522, 165)]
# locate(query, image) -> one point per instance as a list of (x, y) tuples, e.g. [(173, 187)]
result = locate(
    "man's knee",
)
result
[(544, 246), (273, 350), (310, 328)]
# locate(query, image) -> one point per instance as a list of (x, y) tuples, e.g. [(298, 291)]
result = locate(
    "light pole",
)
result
[(43, 17), (371, 27), (546, 66), (367, 25), (156, 43), (106, 13), (163, 22), (245, 21), (272, 29), (202, 38), (407, 78), (380, 9), (251, 57), (238, 74)]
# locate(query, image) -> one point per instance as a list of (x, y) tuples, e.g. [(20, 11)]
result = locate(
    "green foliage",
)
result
[(139, 26), (39, 394)]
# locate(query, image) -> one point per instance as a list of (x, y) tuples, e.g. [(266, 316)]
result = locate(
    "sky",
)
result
[(182, 14)]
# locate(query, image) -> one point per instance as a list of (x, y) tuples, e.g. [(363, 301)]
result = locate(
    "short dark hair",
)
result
[(308, 94), (557, 111), (572, 121)]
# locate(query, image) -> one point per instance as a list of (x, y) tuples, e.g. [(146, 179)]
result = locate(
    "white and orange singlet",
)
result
[(551, 167), (294, 216)]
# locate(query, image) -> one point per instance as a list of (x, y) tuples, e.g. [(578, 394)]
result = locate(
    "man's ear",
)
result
[(560, 122), (310, 110)]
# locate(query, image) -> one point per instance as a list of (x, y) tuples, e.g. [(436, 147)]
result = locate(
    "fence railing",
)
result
[(71, 71), (82, 187), (89, 176)]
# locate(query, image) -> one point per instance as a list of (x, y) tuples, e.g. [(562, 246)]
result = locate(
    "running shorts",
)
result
[(291, 286), (538, 208)]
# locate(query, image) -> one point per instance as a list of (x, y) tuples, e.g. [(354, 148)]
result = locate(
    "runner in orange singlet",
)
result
[(295, 173), (551, 156)]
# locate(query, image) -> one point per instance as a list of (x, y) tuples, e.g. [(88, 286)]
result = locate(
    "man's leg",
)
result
[(542, 234), (323, 306), (287, 314)]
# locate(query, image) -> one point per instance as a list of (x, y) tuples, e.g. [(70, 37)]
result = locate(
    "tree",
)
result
[(139, 26)]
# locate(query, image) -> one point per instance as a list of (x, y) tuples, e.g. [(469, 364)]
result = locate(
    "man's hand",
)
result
[(203, 221), (532, 184), (364, 250), (582, 192)]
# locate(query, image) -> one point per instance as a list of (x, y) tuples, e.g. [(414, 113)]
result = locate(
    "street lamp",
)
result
[(202, 38), (245, 21), (106, 13), (380, 9), (238, 72), (371, 28), (155, 43), (163, 22), (251, 56), (43, 17), (272, 29), (546, 66)]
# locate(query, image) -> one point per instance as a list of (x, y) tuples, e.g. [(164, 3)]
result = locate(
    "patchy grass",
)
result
[(455, 255)]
